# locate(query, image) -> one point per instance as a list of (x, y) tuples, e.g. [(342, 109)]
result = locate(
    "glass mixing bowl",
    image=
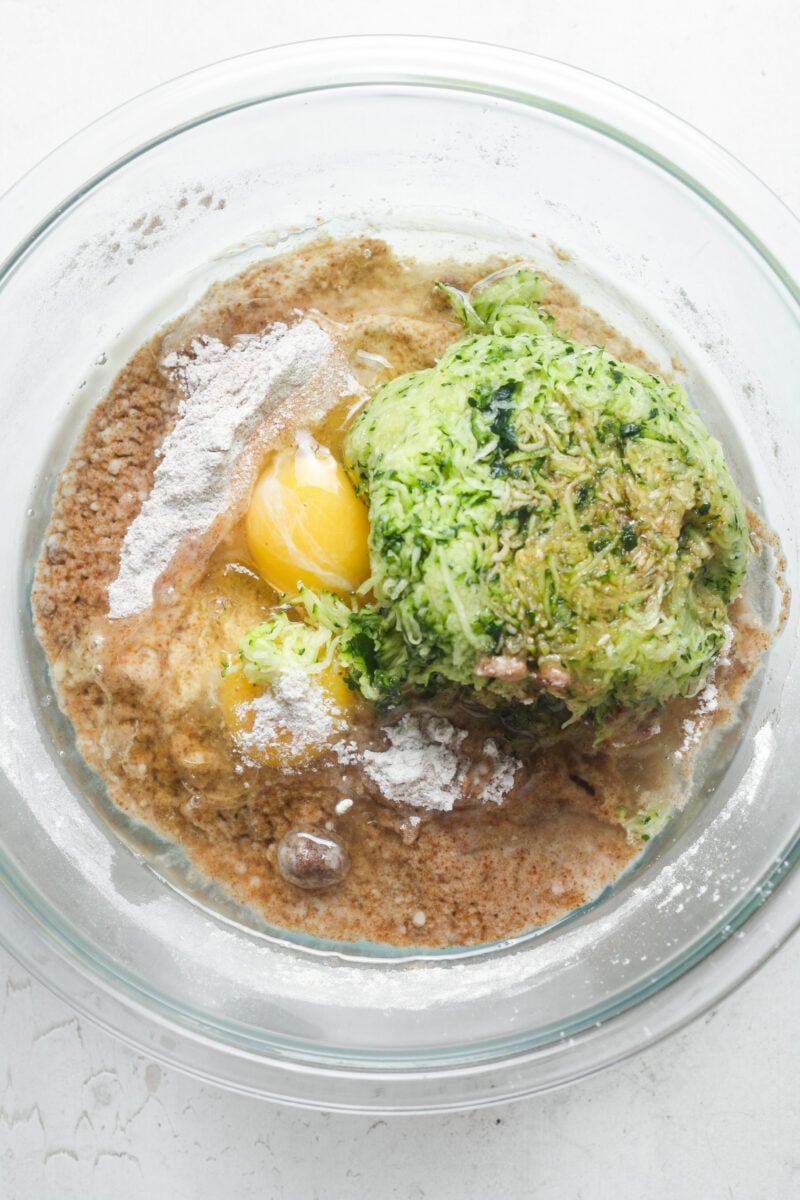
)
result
[(435, 144)]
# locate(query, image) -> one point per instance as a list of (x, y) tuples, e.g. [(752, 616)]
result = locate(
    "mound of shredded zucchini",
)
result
[(544, 519)]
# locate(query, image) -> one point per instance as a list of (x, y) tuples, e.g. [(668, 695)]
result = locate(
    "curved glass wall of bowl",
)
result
[(676, 245)]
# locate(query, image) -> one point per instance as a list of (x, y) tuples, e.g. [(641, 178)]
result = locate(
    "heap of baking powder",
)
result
[(294, 706), (425, 768), (228, 392)]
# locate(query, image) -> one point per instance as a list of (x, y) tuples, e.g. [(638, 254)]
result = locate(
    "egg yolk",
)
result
[(236, 695), (305, 523)]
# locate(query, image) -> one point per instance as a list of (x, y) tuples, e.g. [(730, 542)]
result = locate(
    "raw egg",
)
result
[(305, 523), (286, 746)]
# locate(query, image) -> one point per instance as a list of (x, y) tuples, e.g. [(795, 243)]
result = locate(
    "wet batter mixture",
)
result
[(152, 710)]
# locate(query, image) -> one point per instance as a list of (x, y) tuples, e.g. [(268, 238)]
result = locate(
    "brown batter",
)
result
[(142, 692)]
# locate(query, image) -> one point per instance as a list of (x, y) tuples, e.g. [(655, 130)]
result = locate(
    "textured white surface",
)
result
[(715, 1111)]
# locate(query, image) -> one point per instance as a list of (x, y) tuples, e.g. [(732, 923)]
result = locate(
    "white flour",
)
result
[(294, 705), (707, 702), (229, 391), (424, 767)]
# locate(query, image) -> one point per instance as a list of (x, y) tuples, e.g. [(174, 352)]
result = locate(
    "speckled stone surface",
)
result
[(712, 1112)]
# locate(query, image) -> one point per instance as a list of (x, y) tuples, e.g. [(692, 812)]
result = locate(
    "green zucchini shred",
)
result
[(280, 645)]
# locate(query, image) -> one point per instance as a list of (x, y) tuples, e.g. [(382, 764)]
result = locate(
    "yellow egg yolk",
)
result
[(305, 523), (236, 695)]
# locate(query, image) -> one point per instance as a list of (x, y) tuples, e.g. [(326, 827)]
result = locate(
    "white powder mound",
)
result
[(229, 390), (293, 704), (424, 767), (707, 702), (500, 773)]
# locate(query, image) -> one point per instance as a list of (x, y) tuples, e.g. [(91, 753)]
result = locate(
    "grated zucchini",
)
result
[(534, 498)]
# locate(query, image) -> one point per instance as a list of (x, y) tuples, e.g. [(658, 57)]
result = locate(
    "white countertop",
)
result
[(714, 1111)]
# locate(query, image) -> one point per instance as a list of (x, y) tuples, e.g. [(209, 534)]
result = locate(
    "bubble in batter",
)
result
[(312, 860)]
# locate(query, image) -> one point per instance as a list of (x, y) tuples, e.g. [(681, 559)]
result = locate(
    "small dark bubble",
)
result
[(313, 859)]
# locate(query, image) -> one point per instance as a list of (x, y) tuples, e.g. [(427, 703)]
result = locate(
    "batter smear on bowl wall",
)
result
[(401, 595)]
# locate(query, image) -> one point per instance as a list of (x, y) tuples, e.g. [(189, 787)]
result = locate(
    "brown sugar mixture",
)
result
[(439, 824)]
